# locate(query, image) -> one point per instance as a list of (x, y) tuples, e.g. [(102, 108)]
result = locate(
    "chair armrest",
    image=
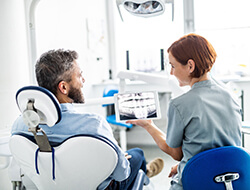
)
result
[(140, 181)]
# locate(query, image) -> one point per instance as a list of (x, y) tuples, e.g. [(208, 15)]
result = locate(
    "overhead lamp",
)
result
[(144, 8)]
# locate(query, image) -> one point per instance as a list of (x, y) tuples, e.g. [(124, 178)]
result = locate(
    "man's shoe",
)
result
[(154, 167)]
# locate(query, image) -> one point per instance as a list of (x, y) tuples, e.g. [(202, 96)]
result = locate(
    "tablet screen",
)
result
[(137, 105)]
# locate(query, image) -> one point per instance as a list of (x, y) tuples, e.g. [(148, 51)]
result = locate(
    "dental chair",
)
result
[(80, 162), (223, 168), (119, 127)]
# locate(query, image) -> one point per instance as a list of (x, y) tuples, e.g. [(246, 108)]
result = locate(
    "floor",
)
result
[(161, 181)]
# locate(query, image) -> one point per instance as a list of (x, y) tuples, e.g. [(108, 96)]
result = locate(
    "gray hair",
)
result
[(53, 67)]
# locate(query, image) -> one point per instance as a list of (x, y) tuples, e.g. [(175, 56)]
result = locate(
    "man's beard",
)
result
[(76, 95)]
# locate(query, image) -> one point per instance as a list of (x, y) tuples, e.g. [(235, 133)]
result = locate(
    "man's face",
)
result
[(75, 92), (76, 95)]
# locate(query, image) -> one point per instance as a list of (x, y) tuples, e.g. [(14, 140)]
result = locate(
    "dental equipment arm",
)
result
[(99, 101), (165, 81)]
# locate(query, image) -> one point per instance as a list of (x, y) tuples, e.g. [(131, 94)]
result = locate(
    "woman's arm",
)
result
[(159, 137)]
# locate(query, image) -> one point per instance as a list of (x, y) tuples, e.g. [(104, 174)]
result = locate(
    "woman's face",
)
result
[(181, 72)]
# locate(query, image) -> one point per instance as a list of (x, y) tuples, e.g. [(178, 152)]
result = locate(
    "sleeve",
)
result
[(122, 170), (176, 127)]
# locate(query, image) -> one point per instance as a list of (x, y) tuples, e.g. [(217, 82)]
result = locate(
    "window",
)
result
[(145, 36), (226, 24)]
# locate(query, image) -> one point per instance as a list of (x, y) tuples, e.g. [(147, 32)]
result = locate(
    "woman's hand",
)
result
[(173, 171), (141, 122)]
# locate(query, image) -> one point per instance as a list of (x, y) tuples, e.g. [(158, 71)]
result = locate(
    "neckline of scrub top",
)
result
[(202, 83)]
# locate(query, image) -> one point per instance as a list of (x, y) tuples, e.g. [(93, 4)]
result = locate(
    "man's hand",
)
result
[(127, 156)]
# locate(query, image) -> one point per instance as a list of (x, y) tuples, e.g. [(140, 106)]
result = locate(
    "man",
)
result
[(58, 71)]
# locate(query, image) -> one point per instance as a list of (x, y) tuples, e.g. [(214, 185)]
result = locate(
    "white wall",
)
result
[(14, 72), (77, 25), (74, 24)]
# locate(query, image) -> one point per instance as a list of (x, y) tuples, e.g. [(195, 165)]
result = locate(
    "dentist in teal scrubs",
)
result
[(205, 117)]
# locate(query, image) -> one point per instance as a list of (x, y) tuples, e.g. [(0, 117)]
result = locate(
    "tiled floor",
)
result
[(161, 181)]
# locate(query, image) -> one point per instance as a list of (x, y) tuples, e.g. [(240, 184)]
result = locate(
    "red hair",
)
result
[(197, 48)]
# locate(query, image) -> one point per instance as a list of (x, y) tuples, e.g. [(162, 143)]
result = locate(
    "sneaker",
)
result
[(154, 167)]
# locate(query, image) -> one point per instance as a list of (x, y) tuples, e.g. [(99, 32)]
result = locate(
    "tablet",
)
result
[(137, 105)]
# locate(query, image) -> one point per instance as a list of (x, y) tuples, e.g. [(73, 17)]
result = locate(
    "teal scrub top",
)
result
[(205, 117)]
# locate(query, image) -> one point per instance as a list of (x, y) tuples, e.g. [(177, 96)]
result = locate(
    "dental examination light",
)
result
[(144, 8)]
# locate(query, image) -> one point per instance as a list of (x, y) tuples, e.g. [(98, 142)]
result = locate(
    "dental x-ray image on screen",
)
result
[(137, 105)]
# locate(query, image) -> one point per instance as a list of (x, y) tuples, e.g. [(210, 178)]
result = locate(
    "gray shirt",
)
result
[(203, 118)]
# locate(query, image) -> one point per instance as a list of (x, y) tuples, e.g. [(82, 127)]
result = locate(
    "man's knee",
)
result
[(137, 151)]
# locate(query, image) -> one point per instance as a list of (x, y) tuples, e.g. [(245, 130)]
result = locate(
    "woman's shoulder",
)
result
[(187, 97)]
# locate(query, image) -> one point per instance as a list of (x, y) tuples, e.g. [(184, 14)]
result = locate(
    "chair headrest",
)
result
[(38, 106)]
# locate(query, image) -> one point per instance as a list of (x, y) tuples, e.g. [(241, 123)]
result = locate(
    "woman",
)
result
[(203, 118)]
